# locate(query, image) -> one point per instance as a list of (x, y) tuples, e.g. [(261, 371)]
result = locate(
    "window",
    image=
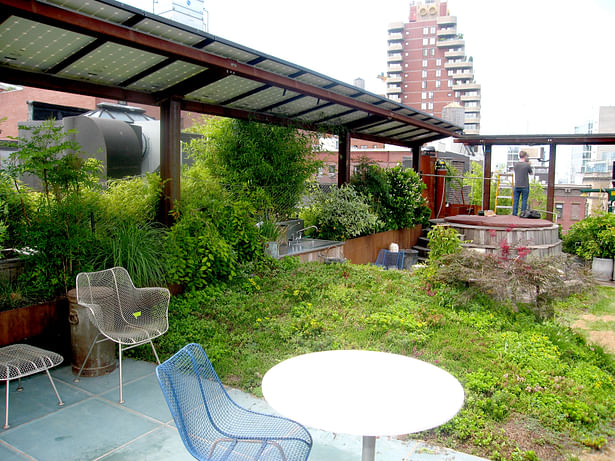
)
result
[(430, 95), (439, 62), (406, 64), (425, 30), (450, 83), (438, 72), (438, 83), (406, 54), (423, 106), (424, 74), (423, 84), (433, 29), (405, 85), (433, 51), (432, 40), (425, 41), (430, 106), (424, 95), (575, 212), (405, 96), (424, 51), (406, 75), (424, 62), (559, 209)]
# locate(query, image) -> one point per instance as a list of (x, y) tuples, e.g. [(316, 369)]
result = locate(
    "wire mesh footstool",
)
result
[(19, 360)]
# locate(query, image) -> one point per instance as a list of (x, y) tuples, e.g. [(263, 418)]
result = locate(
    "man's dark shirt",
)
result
[(522, 172)]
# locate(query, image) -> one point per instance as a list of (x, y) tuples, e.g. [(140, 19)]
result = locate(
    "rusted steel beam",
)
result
[(487, 177), (551, 181), (343, 159), (53, 82), (170, 156), (567, 139)]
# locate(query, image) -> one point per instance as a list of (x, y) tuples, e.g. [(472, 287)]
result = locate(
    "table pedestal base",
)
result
[(369, 448)]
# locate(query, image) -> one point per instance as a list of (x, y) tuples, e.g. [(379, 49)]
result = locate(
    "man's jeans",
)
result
[(524, 192)]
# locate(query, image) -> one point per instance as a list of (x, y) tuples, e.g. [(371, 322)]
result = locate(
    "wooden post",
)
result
[(487, 177), (551, 182), (343, 173), (170, 155)]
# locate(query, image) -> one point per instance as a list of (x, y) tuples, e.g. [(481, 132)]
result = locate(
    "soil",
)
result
[(588, 324), (604, 338)]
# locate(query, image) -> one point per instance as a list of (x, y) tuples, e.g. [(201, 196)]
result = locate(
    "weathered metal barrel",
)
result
[(82, 333)]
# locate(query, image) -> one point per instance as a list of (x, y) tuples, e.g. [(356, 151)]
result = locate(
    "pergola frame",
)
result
[(532, 140), (303, 98)]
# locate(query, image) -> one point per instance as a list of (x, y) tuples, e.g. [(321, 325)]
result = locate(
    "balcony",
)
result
[(472, 120), (397, 36), (463, 76), (395, 57), (471, 130), (395, 78), (448, 32), (466, 87), (394, 46), (446, 21), (396, 27), (394, 97), (458, 65), (394, 68), (451, 43), (473, 109), (470, 97), (393, 90), (455, 53)]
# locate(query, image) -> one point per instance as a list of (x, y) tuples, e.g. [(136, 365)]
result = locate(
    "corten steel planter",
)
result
[(364, 250), (44, 325)]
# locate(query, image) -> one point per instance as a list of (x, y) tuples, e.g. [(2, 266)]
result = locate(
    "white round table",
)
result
[(364, 393)]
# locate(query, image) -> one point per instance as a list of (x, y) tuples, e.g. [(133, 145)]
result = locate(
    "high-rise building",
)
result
[(427, 64)]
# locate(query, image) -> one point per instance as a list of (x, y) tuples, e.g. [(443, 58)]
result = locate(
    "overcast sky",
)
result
[(544, 65)]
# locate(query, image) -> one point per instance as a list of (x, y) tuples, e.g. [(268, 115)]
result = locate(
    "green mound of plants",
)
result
[(519, 372)]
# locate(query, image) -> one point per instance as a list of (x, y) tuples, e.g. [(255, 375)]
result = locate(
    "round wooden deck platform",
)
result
[(487, 233)]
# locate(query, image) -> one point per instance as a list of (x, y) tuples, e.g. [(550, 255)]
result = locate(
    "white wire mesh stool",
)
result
[(123, 314), (19, 360)]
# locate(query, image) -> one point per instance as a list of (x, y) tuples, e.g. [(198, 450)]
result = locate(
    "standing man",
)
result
[(522, 169)]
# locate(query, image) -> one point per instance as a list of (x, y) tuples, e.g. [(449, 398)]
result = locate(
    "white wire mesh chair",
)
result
[(20, 360), (213, 427), (122, 313)]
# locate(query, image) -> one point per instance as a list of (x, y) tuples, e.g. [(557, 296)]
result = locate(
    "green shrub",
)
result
[(197, 254), (395, 195), (443, 240), (134, 199), (215, 232), (269, 163), (592, 237), (339, 214), (61, 243), (136, 246)]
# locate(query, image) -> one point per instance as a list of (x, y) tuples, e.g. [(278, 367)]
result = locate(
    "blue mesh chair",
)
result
[(390, 259), (213, 427)]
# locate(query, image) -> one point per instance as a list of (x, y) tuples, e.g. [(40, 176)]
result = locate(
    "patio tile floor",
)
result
[(92, 425)]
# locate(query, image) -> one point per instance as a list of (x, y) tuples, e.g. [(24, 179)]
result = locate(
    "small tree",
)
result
[(50, 155), (58, 228), (271, 163)]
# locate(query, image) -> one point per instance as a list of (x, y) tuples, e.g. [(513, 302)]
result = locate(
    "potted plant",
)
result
[(593, 239)]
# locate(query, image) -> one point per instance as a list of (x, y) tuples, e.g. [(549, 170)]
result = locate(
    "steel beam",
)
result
[(170, 156)]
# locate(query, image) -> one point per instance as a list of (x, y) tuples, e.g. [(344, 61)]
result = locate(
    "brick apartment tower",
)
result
[(428, 68)]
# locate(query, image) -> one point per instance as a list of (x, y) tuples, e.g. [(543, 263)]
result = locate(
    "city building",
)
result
[(427, 66)]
